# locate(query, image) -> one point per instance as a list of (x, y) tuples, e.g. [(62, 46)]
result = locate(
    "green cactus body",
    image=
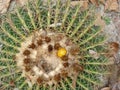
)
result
[(46, 46)]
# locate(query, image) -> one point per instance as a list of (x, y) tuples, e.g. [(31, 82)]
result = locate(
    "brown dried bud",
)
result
[(64, 73), (77, 67), (74, 50), (50, 48), (27, 60), (32, 46), (57, 77), (47, 39), (66, 64), (65, 58), (57, 46), (27, 68), (39, 80), (26, 52), (39, 42)]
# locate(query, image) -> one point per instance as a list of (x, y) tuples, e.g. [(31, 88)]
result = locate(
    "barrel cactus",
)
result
[(47, 46)]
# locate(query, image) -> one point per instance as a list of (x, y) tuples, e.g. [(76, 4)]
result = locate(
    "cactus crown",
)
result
[(47, 45)]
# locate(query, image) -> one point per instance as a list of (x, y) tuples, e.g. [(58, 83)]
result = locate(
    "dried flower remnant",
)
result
[(113, 49), (114, 46), (32, 46), (57, 46), (65, 58), (66, 64), (47, 39), (26, 52), (39, 80), (64, 73), (50, 48), (57, 77), (26, 60), (39, 42)]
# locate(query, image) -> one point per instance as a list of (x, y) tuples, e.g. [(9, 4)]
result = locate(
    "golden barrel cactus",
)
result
[(51, 46)]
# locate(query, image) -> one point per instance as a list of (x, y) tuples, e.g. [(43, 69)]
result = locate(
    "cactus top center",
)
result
[(47, 57)]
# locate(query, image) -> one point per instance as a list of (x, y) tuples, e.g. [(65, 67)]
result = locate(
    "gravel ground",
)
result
[(113, 32)]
